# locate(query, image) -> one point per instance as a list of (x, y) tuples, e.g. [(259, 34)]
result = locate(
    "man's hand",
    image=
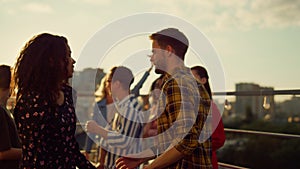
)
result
[(92, 126), (128, 163)]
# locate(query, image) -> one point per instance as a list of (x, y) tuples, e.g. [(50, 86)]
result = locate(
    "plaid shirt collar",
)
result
[(176, 72)]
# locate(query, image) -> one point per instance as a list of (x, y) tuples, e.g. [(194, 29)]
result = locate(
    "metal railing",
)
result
[(258, 93), (282, 135), (254, 132)]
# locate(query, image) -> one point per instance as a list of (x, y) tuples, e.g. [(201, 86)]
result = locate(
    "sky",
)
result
[(256, 41)]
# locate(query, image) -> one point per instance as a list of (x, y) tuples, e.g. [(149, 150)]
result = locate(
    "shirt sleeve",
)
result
[(182, 102), (127, 129)]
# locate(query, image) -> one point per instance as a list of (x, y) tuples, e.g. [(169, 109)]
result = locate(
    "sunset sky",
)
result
[(256, 41)]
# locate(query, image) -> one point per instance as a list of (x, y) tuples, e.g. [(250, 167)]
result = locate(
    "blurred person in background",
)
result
[(218, 134), (10, 145), (150, 129)]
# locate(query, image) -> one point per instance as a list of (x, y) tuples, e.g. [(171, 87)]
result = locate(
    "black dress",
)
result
[(48, 134)]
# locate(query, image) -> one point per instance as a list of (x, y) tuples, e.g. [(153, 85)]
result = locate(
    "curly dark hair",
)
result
[(42, 66)]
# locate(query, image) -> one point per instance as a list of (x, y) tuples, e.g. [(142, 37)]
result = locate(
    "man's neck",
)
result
[(173, 62), (122, 95), (172, 67)]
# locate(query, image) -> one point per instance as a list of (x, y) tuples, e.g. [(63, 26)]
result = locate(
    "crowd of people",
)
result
[(181, 129)]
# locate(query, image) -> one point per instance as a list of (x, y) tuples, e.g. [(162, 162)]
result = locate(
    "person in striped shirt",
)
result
[(104, 111), (123, 135)]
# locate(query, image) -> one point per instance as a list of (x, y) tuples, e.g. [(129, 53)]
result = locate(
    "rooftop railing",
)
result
[(255, 133), (258, 93)]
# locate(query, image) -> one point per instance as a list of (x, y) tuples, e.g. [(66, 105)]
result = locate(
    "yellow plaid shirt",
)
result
[(183, 109)]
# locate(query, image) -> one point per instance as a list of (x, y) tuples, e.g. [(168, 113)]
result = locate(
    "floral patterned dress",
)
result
[(47, 133)]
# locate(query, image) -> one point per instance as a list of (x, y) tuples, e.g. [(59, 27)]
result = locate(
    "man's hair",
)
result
[(173, 37), (5, 77), (123, 75)]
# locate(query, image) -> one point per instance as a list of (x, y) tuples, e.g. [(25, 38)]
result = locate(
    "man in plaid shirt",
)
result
[(183, 138)]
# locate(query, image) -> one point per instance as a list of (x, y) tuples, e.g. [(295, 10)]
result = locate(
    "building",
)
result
[(289, 110), (252, 105), (86, 83)]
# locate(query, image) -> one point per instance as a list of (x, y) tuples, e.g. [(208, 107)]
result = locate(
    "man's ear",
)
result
[(170, 50), (203, 80), (118, 83)]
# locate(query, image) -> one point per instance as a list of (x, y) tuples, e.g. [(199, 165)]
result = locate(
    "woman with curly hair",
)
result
[(45, 113)]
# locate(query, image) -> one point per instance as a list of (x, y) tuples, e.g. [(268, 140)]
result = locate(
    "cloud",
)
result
[(6, 1), (216, 15), (92, 2), (220, 15), (37, 8), (272, 14), (277, 13)]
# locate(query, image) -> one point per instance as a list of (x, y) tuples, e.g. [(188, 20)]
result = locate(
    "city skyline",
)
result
[(261, 88), (251, 100), (257, 41)]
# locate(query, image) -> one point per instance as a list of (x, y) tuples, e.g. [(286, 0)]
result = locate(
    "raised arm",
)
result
[(139, 85)]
